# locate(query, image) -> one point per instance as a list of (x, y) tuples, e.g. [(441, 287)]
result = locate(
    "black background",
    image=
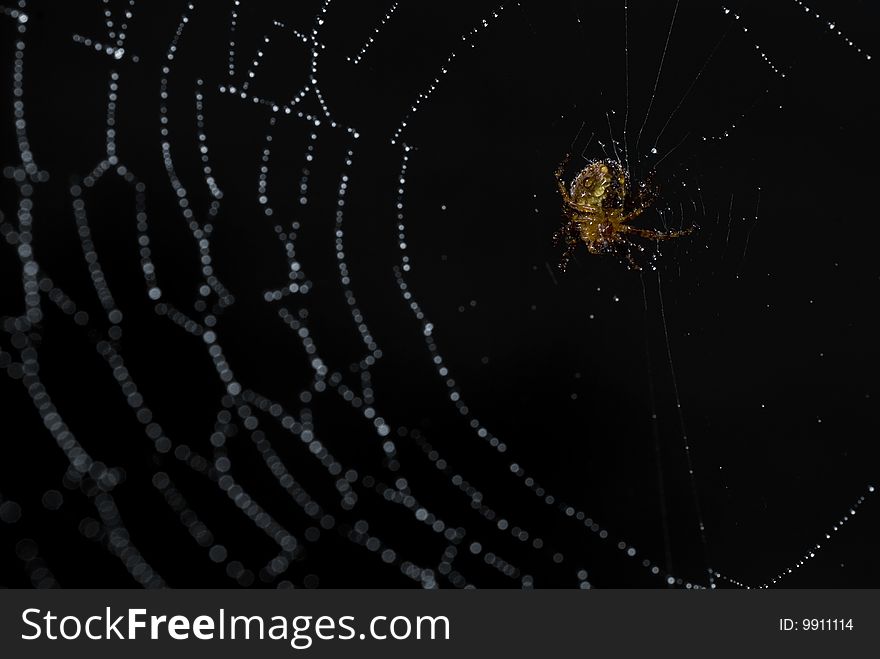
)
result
[(775, 311)]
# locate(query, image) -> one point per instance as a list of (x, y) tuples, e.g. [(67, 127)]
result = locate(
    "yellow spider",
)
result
[(597, 206)]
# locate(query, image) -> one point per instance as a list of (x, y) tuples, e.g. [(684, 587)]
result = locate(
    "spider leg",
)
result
[(654, 235), (632, 215), (581, 210), (561, 183), (568, 237)]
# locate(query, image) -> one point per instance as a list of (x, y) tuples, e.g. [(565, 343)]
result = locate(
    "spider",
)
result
[(597, 206)]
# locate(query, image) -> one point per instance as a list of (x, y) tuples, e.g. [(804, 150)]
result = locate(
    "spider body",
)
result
[(597, 206)]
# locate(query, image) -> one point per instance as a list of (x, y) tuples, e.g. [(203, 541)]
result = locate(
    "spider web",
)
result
[(281, 306)]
